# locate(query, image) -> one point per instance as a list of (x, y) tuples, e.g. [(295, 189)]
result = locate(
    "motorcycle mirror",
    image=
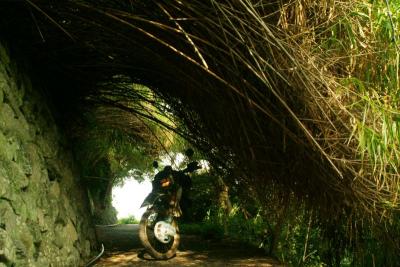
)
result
[(189, 152), (192, 166), (155, 164)]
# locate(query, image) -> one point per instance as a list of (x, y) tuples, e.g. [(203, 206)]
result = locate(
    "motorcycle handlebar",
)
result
[(192, 166)]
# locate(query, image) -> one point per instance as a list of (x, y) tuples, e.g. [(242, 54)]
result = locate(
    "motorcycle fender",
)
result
[(150, 199)]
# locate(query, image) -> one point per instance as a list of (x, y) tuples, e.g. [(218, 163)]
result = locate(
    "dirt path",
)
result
[(123, 248)]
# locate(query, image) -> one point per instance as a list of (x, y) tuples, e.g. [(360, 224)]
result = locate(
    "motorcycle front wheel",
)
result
[(154, 247)]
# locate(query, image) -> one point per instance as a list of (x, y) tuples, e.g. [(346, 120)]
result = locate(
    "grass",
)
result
[(128, 220)]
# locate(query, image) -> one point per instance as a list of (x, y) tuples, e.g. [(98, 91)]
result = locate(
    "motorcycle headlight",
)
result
[(165, 182)]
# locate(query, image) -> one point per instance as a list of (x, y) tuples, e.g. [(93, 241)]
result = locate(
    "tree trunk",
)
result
[(224, 202), (108, 192), (278, 227)]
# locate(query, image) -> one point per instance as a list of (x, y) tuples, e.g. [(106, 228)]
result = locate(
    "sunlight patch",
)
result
[(127, 198)]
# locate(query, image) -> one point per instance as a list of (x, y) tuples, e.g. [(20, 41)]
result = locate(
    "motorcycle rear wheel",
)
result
[(153, 246)]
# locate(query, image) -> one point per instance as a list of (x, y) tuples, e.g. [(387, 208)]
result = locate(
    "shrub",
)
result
[(128, 220), (206, 230)]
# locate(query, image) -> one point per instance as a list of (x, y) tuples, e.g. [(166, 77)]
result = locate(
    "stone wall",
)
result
[(44, 217)]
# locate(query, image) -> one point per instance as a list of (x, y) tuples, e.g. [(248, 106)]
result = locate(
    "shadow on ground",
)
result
[(123, 248)]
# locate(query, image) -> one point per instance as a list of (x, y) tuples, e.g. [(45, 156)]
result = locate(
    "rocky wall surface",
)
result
[(44, 216)]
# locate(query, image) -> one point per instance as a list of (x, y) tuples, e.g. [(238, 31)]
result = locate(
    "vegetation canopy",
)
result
[(295, 101)]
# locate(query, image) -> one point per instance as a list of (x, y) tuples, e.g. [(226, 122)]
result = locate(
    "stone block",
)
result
[(68, 210), (30, 204), (65, 236), (9, 147), (12, 124), (8, 218), (4, 147), (2, 84), (7, 117), (7, 249), (5, 187), (41, 221), (50, 208), (24, 161), (36, 233), (47, 247), (3, 73), (54, 190), (38, 177), (26, 81), (12, 210), (29, 109), (19, 93), (70, 233), (4, 58), (23, 243), (14, 88), (26, 238), (15, 174), (48, 142), (86, 249), (59, 236), (43, 261), (18, 206), (73, 258)]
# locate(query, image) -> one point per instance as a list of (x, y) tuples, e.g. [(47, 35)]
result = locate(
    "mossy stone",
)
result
[(8, 218), (12, 124), (15, 174), (26, 239), (4, 58), (5, 187), (7, 249), (42, 221), (1, 93)]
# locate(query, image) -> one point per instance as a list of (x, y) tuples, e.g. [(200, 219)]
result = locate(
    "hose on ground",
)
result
[(94, 259)]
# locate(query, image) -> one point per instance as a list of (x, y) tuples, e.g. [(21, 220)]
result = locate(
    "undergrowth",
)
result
[(128, 220)]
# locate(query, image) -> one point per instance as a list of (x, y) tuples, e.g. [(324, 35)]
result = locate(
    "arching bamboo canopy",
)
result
[(248, 81)]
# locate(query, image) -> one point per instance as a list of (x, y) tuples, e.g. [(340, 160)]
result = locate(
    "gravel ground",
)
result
[(123, 248)]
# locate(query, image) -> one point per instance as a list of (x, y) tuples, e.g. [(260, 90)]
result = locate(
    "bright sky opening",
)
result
[(128, 198)]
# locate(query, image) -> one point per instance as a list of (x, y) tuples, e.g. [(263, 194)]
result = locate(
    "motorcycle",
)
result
[(158, 228)]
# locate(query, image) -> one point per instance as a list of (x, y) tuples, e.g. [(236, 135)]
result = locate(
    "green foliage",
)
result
[(122, 151), (105, 216), (306, 240), (128, 220), (107, 156), (206, 229), (251, 230), (202, 197), (364, 41)]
